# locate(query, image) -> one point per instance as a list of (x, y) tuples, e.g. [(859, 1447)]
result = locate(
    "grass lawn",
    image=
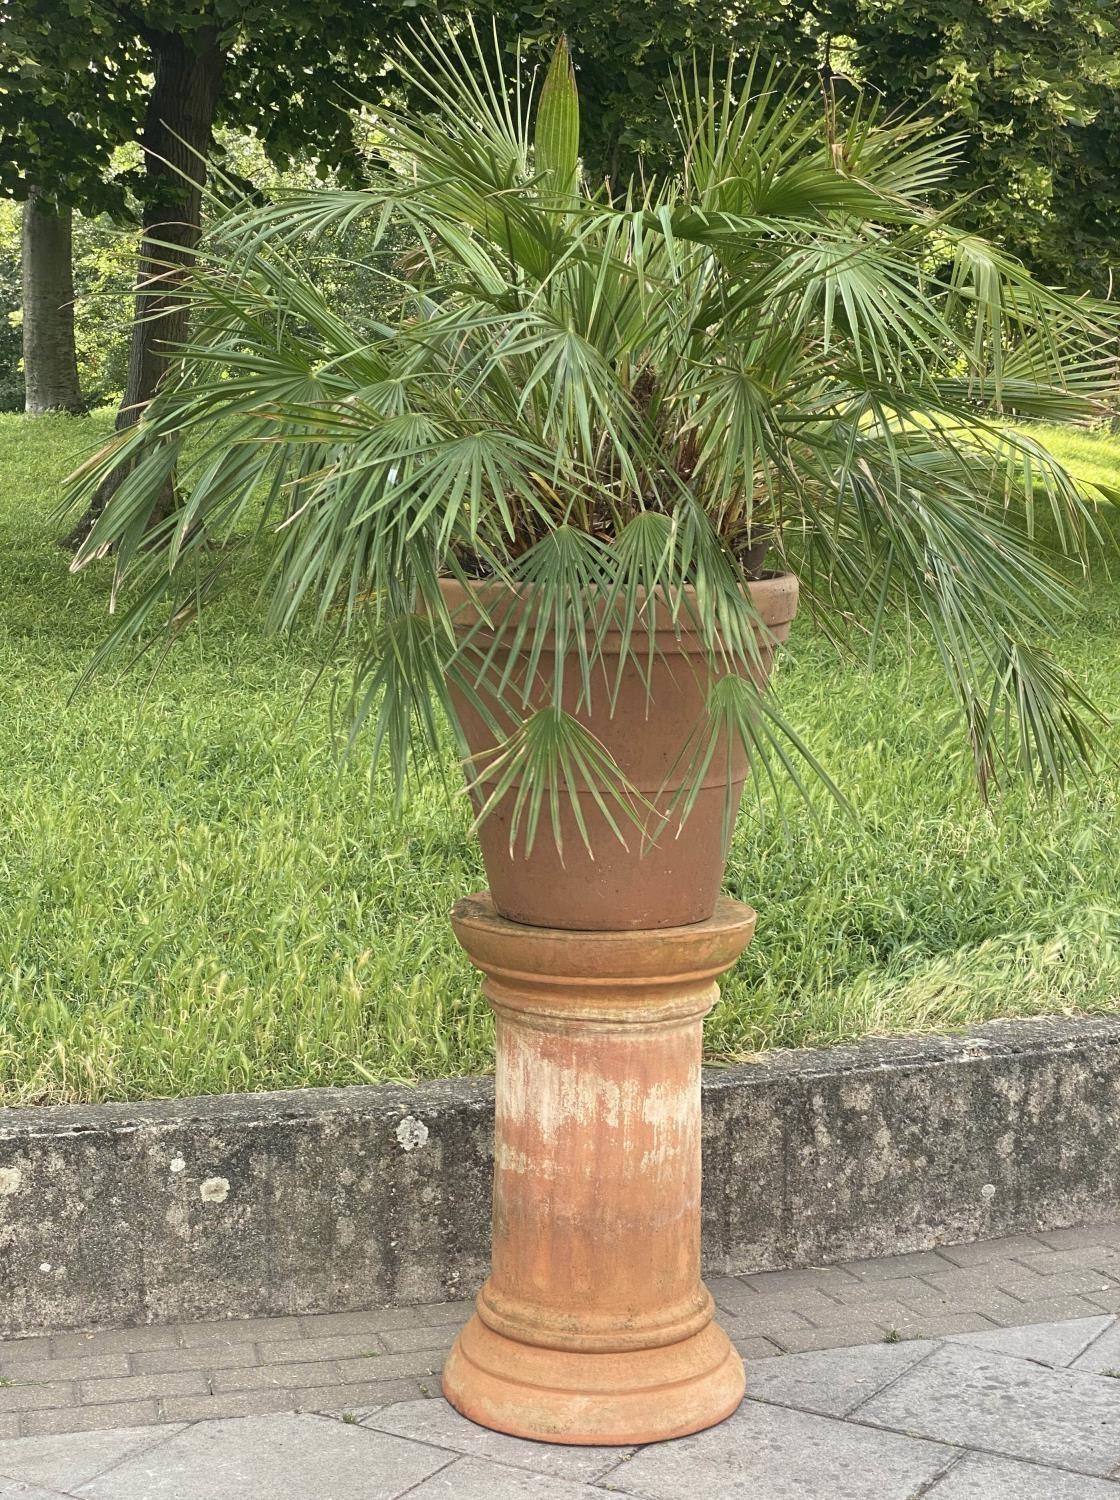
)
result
[(194, 899)]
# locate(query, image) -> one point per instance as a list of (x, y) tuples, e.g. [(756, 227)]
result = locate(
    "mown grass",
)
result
[(194, 898), (1091, 456)]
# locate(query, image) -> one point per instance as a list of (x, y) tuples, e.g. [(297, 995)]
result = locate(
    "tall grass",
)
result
[(194, 898)]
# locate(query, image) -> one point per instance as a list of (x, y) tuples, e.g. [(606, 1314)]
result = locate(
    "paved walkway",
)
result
[(988, 1371)]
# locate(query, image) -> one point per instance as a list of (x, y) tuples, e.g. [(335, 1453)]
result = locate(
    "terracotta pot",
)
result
[(675, 879), (594, 1326)]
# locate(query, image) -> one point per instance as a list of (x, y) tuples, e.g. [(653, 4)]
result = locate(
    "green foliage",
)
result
[(105, 271), (1035, 84), (792, 342), (11, 348), (625, 54), (194, 899), (556, 136)]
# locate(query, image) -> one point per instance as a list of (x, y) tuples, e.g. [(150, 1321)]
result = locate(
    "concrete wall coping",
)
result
[(342, 1198)]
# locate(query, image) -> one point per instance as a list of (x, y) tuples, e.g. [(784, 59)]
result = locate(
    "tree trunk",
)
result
[(50, 363), (178, 126)]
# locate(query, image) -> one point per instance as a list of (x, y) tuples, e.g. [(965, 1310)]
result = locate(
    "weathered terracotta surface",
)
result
[(594, 1326), (677, 879)]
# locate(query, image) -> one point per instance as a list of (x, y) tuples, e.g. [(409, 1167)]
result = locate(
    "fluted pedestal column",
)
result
[(594, 1326)]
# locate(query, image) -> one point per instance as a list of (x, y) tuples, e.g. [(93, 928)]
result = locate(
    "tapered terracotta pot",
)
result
[(595, 1326), (676, 879)]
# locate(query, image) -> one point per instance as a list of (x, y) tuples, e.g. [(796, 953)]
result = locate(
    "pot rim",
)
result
[(775, 598)]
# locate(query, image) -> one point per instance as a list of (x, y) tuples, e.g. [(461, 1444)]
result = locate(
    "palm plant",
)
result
[(789, 356)]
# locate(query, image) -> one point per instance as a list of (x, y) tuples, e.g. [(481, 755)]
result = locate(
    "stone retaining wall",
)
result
[(338, 1199)]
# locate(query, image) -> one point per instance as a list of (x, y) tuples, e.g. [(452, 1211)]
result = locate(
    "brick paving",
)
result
[(990, 1369), (175, 1373)]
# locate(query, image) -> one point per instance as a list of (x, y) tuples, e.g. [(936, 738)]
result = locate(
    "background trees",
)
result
[(1033, 84), (168, 73)]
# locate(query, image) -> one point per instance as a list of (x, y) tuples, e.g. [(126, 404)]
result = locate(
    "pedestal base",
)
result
[(556, 1396), (595, 1326)]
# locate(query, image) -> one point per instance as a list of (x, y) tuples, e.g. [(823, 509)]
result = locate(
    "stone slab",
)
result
[(65, 1461), (832, 1382), (977, 1478), (477, 1479), (1055, 1344), (438, 1423), (1103, 1353), (271, 1458), (17, 1490), (976, 1399), (772, 1453)]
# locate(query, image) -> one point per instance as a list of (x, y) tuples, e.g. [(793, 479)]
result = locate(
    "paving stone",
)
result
[(938, 1325), (977, 1399), (1103, 1259), (977, 1478), (766, 1317), (286, 1377), (1109, 1300), (88, 1418), (342, 1401), (100, 1367), (392, 1366), (845, 1336), (407, 1340), (729, 1291), (17, 1490), (1073, 1239), (271, 1458), (808, 1279), (892, 1267), (66, 1462), (239, 1331), (477, 1479), (12, 1350), (756, 1348), (114, 1341), (41, 1393), (1005, 1276), (884, 1311), (981, 1252), (1102, 1353), (445, 1312), (338, 1346), (202, 1357), (228, 1404), (9, 1424), (140, 1387), (900, 1289), (1000, 1307), (337, 1325), (772, 1453), (1055, 1310), (930, 1321), (831, 1382), (438, 1423), (1053, 1344), (1070, 1284)]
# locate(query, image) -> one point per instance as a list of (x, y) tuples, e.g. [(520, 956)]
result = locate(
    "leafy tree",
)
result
[(626, 56), (168, 73), (11, 381), (60, 118), (1033, 85)]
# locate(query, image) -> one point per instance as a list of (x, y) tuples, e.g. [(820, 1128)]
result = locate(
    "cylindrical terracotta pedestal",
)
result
[(594, 1326)]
